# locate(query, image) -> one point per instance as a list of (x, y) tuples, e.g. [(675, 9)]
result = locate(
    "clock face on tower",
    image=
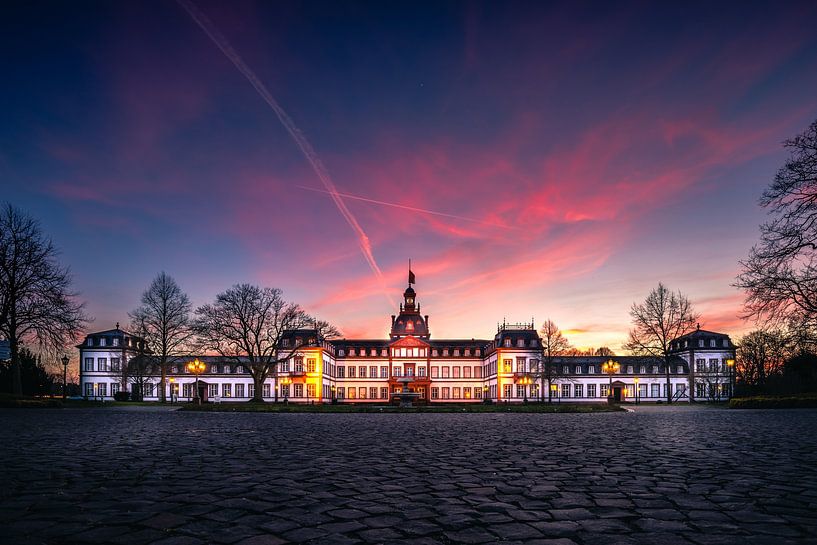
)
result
[(409, 300)]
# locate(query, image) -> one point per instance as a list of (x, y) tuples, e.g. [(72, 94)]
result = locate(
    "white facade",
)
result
[(506, 368)]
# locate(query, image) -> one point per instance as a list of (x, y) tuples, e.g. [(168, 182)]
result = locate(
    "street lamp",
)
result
[(196, 367), (610, 367), (171, 380), (286, 381), (730, 364), (65, 361), (636, 390), (334, 399)]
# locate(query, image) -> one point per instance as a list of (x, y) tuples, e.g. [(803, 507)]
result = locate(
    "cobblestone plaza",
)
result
[(658, 475)]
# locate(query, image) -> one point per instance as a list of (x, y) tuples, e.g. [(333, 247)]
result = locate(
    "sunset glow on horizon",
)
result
[(533, 161)]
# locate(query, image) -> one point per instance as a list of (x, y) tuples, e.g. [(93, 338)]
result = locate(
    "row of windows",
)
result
[(103, 341), (456, 393), (714, 365), (702, 343), (102, 364), (521, 391), (100, 389), (411, 352)]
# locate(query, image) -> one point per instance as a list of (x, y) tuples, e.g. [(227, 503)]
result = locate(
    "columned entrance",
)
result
[(619, 391)]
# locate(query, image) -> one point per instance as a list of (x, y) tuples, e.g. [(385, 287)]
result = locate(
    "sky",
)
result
[(534, 160)]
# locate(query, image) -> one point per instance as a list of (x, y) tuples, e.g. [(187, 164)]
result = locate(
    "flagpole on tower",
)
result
[(411, 279)]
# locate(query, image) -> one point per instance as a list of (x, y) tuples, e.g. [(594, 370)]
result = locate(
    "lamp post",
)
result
[(636, 390), (286, 381), (65, 362), (730, 364), (610, 367), (334, 399), (196, 367), (171, 380)]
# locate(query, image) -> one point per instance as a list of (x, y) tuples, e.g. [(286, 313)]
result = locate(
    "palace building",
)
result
[(507, 368)]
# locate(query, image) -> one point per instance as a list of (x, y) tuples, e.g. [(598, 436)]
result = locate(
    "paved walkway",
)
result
[(649, 477)]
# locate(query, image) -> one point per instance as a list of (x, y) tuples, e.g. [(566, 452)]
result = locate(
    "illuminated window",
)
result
[(310, 390), (226, 390), (311, 365), (361, 392), (455, 392), (466, 392), (506, 364), (352, 393), (409, 325)]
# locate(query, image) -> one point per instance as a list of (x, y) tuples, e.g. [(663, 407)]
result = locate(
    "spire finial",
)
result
[(117, 325)]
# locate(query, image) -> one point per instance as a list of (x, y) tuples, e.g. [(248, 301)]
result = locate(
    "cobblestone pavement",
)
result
[(654, 476)]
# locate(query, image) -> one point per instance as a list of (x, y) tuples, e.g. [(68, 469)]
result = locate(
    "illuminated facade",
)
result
[(507, 368)]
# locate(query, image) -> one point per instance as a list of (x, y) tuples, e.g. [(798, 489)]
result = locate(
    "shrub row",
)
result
[(775, 402)]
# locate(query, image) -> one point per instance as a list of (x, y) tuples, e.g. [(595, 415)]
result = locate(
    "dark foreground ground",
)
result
[(659, 476)]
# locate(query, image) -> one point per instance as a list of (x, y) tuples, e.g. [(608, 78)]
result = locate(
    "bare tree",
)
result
[(138, 371), (761, 354), (163, 320), (36, 300), (554, 345), (780, 274), (246, 324), (662, 317), (603, 351)]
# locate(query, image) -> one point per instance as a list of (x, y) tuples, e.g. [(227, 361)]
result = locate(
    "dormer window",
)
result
[(341, 352), (578, 369), (90, 341), (643, 369), (116, 341), (700, 343), (456, 351), (298, 341), (285, 343), (409, 325), (591, 370), (629, 369), (520, 343), (102, 341), (445, 352), (226, 368), (214, 369), (680, 369), (712, 343), (507, 343), (533, 343)]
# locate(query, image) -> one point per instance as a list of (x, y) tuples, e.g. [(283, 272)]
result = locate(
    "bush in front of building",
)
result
[(802, 401), (121, 396)]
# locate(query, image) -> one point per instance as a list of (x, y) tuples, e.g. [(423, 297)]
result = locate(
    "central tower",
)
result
[(409, 323)]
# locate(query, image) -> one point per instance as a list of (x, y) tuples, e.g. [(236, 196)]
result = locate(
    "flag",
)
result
[(411, 278)]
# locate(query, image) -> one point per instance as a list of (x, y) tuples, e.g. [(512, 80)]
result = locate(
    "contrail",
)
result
[(411, 208), (306, 148)]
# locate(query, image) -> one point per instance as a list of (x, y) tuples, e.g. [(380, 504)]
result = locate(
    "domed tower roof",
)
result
[(409, 321)]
